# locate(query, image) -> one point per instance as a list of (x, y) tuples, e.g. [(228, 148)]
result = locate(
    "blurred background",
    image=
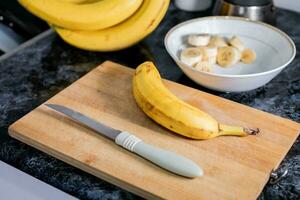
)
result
[(17, 25)]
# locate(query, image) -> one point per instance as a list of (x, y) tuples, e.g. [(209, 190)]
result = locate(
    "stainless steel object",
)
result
[(163, 158), (257, 10), (100, 128), (277, 175)]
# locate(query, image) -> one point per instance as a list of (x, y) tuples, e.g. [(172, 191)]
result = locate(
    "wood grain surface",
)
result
[(234, 167)]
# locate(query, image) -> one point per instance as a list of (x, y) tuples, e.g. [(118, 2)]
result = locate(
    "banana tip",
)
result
[(251, 131)]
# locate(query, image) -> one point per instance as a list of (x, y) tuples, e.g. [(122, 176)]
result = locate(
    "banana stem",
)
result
[(236, 131), (251, 131)]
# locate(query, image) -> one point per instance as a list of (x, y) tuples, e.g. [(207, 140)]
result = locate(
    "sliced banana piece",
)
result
[(237, 43), (212, 60), (199, 40), (217, 41), (248, 56), (211, 51), (208, 51), (209, 54), (191, 56), (228, 56), (203, 66)]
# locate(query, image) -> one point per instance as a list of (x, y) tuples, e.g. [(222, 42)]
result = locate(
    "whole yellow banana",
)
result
[(174, 114), (89, 16), (80, 1), (123, 35)]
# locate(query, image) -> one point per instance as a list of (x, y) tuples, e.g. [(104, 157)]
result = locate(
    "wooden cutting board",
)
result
[(234, 167)]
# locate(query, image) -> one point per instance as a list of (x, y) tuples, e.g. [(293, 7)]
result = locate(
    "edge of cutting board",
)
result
[(114, 180), (75, 163)]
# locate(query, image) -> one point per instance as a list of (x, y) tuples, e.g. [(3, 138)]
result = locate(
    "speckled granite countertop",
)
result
[(46, 65)]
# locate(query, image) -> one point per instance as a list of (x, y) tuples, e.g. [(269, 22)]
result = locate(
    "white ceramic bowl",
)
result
[(274, 49)]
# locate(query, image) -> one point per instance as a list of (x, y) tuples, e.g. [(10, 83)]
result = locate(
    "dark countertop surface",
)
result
[(46, 65)]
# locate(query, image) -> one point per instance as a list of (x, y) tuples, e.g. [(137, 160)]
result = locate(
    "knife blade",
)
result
[(96, 126), (165, 159)]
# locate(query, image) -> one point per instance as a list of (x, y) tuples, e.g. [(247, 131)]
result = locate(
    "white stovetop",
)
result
[(16, 185), (288, 4)]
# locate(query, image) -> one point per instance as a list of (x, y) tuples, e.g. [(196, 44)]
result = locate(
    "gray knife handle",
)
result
[(163, 158)]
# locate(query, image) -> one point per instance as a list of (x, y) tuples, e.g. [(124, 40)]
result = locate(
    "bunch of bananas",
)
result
[(166, 109), (100, 25)]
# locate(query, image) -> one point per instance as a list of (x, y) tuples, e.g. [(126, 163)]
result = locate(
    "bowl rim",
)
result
[(281, 67)]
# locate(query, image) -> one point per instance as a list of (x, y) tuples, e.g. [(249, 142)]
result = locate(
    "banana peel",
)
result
[(174, 114)]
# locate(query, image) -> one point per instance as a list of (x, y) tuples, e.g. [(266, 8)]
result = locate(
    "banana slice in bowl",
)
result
[(256, 52)]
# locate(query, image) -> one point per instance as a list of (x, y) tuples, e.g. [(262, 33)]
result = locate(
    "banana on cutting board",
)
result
[(174, 114)]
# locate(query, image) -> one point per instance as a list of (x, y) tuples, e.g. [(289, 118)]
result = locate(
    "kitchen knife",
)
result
[(163, 158)]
